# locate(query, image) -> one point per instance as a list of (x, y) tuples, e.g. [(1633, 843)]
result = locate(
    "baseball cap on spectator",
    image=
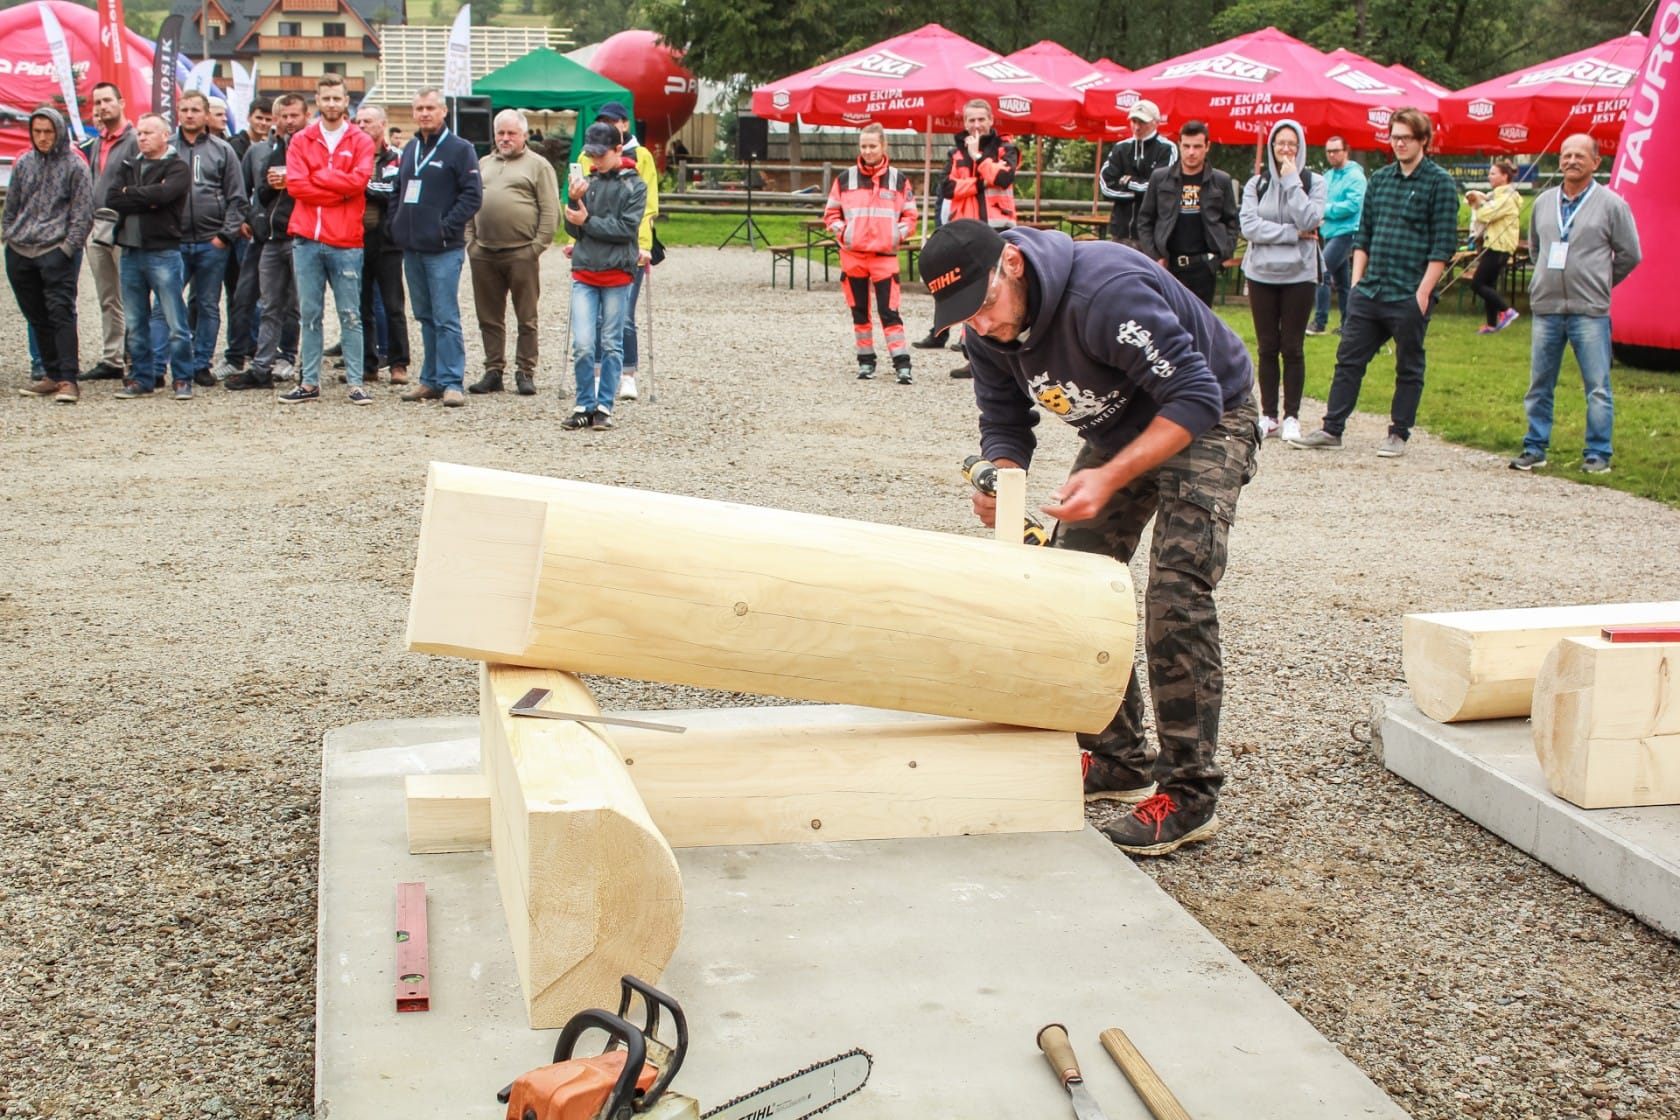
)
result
[(599, 139), (1145, 110), (613, 111), (956, 265)]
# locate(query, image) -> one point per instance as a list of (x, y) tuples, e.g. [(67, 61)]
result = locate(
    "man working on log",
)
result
[(1162, 393)]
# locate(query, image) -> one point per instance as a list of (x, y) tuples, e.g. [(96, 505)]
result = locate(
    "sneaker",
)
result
[(931, 342), (524, 384), (1314, 329), (70, 393), (1392, 447), (283, 370), (250, 379), (1319, 440), (359, 395), (1109, 780), (183, 390), (963, 372), (1159, 825), (1290, 430), (578, 419), (301, 395), (226, 369), (1528, 460), (600, 421), (204, 378), (904, 377), (627, 388), (1485, 329), (104, 371), (1592, 464), (131, 391), (1268, 427), (866, 371), (40, 387), (423, 392), (1507, 317), (453, 398)]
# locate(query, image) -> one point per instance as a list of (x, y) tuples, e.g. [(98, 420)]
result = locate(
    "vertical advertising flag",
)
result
[(457, 62), (61, 67), (164, 61), (114, 52)]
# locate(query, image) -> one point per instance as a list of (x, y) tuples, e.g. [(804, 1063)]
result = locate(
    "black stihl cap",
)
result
[(957, 265)]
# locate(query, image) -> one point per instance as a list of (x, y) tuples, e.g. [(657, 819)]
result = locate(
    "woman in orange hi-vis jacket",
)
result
[(871, 213)]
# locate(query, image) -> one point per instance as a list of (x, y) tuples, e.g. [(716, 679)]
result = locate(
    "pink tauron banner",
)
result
[(1646, 170)]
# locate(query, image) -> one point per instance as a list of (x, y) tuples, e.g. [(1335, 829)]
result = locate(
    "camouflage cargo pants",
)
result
[(1193, 498)]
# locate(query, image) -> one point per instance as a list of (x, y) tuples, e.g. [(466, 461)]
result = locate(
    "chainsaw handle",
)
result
[(621, 1101), (667, 1058), (1058, 1051)]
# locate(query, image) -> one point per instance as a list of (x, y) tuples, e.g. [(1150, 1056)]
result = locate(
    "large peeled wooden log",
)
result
[(629, 583), (1607, 722), (1482, 664), (589, 887)]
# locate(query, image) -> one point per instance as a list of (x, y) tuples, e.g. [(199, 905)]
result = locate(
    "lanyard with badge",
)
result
[(1558, 255), (411, 193)]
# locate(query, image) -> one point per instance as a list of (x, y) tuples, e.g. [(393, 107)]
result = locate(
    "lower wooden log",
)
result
[(1607, 722), (589, 887)]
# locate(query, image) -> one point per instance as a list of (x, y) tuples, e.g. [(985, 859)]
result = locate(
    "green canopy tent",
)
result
[(548, 80)]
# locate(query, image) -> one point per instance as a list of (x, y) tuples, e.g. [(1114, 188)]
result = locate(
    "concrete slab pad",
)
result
[(1488, 771), (941, 957)]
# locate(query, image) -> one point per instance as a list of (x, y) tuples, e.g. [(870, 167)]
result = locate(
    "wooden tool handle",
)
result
[(1053, 1040), (1159, 1099)]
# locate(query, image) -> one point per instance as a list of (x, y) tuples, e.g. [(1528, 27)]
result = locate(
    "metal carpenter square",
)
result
[(414, 982), (1654, 633)]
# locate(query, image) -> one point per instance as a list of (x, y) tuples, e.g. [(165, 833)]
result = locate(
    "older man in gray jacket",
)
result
[(1583, 242)]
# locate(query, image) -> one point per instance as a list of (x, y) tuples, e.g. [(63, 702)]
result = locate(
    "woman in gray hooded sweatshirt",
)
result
[(1281, 209)]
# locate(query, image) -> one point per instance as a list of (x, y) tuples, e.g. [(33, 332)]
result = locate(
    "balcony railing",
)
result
[(305, 83), (309, 44), (309, 5)]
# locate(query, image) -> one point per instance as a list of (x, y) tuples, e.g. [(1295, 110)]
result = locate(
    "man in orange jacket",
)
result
[(871, 213), (328, 165)]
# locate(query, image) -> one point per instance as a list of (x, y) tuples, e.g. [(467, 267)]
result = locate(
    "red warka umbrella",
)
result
[(1533, 109), (1062, 67)]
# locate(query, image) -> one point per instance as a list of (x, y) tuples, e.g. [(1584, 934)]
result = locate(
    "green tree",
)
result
[(592, 21)]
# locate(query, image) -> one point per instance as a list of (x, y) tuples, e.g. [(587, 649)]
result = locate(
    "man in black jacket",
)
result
[(382, 258), (148, 191), (1130, 163), (1189, 218), (271, 212)]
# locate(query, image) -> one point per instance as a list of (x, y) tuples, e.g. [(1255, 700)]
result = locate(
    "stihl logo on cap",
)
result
[(1480, 110), (945, 279), (877, 64), (1228, 65), (1015, 106)]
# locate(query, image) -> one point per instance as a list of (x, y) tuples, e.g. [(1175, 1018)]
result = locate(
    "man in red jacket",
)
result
[(871, 212), (328, 165)]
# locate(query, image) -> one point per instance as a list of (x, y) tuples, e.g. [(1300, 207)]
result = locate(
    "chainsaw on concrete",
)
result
[(630, 1078)]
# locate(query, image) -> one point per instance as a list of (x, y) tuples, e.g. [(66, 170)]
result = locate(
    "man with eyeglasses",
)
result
[(1407, 233), (1344, 201), (1162, 392)]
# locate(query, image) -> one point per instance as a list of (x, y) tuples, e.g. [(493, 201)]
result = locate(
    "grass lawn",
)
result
[(1473, 390)]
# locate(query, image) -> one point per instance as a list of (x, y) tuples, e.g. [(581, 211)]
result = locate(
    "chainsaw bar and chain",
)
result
[(776, 1101)]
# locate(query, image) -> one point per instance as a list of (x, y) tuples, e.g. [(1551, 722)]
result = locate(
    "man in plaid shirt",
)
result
[(1407, 234)]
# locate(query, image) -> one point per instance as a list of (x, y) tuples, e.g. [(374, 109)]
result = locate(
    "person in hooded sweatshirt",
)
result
[(1162, 393), (871, 212), (45, 223), (1282, 208)]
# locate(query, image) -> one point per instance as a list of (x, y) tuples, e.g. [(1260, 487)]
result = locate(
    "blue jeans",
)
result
[(434, 286), (203, 267), (315, 265), (36, 369), (1338, 272), (151, 291), (598, 322), (1589, 336), (631, 355)]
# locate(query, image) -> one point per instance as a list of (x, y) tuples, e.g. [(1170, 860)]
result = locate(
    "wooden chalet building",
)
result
[(291, 42)]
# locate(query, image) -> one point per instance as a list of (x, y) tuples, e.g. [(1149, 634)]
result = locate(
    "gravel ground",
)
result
[(199, 591)]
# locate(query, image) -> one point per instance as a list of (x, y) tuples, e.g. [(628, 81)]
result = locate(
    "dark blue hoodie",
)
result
[(1112, 342)]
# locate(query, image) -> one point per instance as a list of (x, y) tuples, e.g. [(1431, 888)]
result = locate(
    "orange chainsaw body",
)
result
[(571, 1090)]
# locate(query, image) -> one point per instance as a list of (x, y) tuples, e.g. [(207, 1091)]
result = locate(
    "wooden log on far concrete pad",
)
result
[(1607, 722), (629, 583), (1482, 664), (589, 887)]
